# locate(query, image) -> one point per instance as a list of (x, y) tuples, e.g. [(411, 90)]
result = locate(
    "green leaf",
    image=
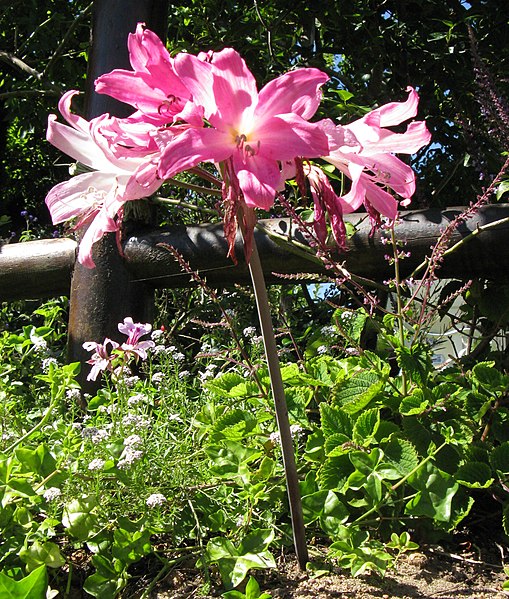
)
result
[(229, 384), (358, 391), (415, 361), (487, 376), (499, 458), (41, 553), (335, 472), (39, 461), (234, 425), (435, 492), (401, 454), (474, 475), (33, 586), (414, 403), (334, 420), (80, 519), (366, 426)]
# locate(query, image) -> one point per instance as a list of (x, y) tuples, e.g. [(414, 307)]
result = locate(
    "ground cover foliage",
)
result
[(176, 459)]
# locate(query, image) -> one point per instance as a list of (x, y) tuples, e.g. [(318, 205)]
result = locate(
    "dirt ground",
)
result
[(434, 572)]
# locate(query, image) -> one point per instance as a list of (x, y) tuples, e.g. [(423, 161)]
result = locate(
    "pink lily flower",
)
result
[(134, 331), (153, 87), (363, 151), (119, 174), (101, 358), (253, 132)]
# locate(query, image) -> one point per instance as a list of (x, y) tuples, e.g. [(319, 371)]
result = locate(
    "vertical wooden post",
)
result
[(102, 297)]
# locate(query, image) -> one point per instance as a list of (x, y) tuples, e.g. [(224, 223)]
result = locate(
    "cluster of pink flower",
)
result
[(104, 358), (206, 108)]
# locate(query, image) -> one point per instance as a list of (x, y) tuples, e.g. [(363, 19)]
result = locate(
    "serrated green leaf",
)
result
[(335, 472), (334, 420), (415, 361), (401, 454), (358, 391), (229, 384), (499, 458), (366, 426), (234, 425), (487, 376), (413, 404), (475, 475), (337, 444)]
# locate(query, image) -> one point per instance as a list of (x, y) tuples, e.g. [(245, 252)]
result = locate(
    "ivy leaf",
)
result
[(33, 586), (435, 492)]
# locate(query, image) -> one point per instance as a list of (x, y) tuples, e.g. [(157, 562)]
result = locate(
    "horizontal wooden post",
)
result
[(43, 268)]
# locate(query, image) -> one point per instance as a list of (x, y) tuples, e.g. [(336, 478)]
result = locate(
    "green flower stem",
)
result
[(269, 341), (38, 426), (181, 204), (196, 188), (399, 302)]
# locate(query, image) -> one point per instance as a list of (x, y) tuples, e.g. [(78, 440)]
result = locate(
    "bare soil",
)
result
[(434, 572)]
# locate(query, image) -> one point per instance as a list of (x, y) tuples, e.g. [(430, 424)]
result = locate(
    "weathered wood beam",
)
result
[(42, 268)]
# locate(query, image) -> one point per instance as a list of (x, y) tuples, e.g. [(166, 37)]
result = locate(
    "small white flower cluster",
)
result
[(184, 374), (52, 494), (175, 354), (156, 334), (136, 400), (156, 500), (249, 332), (208, 373), (295, 430), (96, 464), (321, 349), (157, 378), (158, 349), (136, 421), (47, 362), (96, 435), (73, 394), (329, 331), (130, 381), (128, 457)]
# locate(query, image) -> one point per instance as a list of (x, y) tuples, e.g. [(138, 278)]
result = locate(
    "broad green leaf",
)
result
[(401, 454), (338, 444), (33, 586), (42, 553), (358, 391), (315, 447), (366, 426), (229, 384), (475, 475), (334, 420), (499, 458), (435, 492), (129, 547), (335, 472), (415, 361), (334, 513), (80, 519), (413, 404), (39, 461), (487, 376), (234, 425)]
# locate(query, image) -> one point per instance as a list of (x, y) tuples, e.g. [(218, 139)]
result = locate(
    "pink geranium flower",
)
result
[(134, 332), (153, 87), (363, 151), (101, 359), (119, 173)]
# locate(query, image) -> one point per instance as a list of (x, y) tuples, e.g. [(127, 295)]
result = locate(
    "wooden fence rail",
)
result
[(44, 268)]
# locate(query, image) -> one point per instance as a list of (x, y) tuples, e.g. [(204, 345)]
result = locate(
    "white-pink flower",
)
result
[(364, 151), (101, 358), (118, 173), (134, 332)]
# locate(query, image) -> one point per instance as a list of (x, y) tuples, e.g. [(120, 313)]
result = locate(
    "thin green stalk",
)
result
[(269, 341), (37, 427)]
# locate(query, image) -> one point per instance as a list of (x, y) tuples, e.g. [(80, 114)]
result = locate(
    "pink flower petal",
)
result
[(192, 147), (395, 113), (258, 179), (297, 92)]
